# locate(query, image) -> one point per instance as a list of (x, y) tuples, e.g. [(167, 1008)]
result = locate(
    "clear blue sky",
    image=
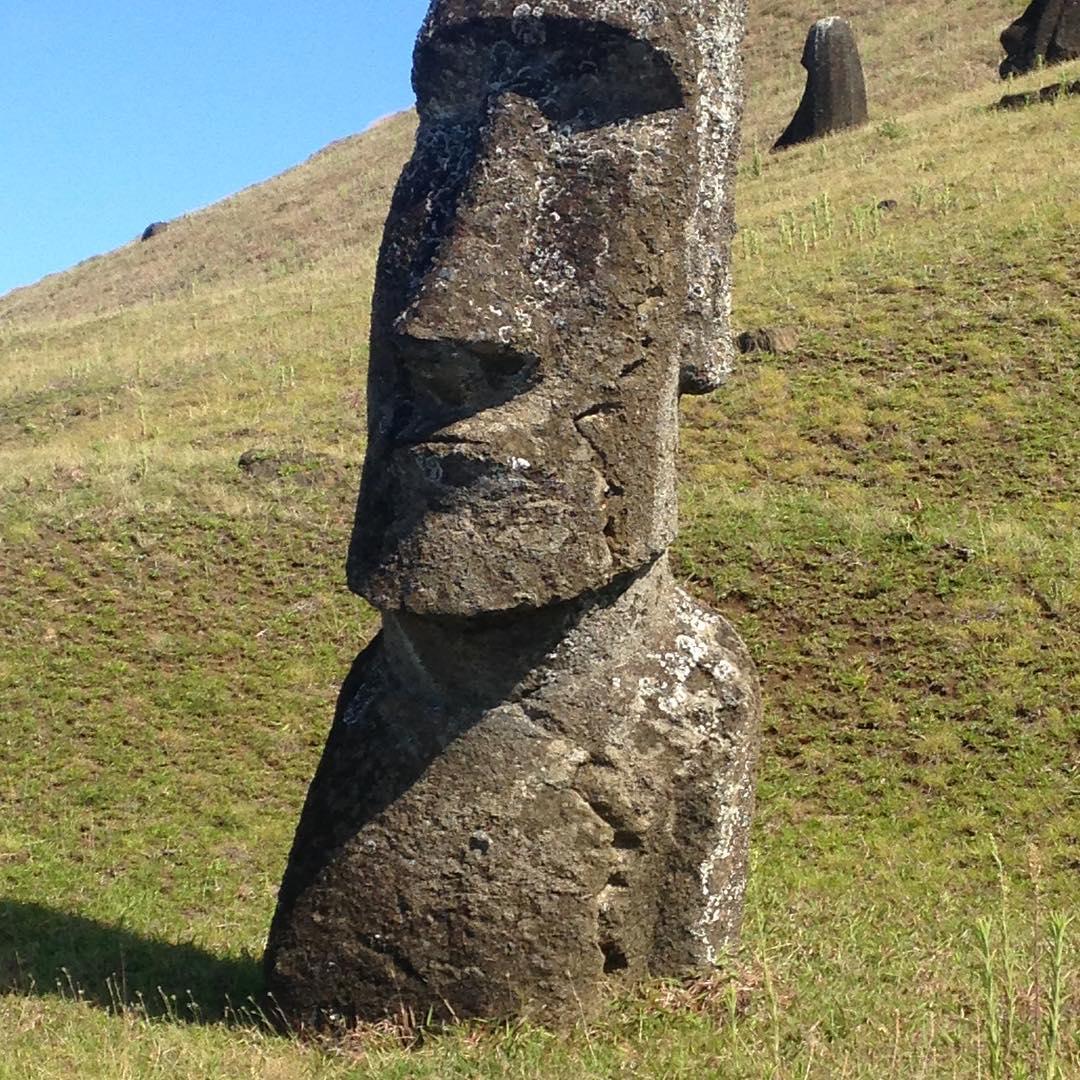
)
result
[(116, 113)]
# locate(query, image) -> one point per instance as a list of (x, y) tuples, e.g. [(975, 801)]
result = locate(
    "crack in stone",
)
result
[(603, 408), (614, 957), (624, 839), (613, 953), (612, 489)]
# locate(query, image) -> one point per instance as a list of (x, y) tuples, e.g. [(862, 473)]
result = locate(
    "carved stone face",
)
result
[(554, 266)]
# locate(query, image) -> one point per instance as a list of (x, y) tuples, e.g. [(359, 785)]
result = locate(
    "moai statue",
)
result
[(1047, 33), (835, 94), (539, 776)]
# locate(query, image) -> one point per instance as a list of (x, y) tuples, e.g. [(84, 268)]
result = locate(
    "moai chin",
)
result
[(539, 776), (835, 94)]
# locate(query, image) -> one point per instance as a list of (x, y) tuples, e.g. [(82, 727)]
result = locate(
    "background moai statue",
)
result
[(835, 94), (539, 776), (1048, 32)]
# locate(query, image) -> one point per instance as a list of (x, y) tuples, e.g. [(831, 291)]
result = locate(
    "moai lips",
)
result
[(539, 776), (835, 95)]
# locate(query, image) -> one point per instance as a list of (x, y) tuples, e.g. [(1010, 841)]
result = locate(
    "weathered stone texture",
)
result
[(1047, 33), (539, 776), (507, 813), (835, 94)]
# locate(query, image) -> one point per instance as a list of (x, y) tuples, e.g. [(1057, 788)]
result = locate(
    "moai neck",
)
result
[(470, 661)]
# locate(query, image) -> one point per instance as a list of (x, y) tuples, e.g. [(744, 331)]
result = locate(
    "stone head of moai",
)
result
[(539, 775), (1048, 32), (835, 94), (554, 271)]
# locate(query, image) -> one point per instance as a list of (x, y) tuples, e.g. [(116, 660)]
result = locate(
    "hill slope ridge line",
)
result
[(331, 207)]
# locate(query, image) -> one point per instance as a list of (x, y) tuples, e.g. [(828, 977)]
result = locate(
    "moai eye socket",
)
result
[(446, 381), (607, 79), (582, 75)]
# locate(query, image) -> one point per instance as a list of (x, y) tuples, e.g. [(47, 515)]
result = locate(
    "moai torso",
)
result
[(539, 778)]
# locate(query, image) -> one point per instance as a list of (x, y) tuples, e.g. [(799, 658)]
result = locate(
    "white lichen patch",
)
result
[(716, 902), (696, 650), (721, 888)]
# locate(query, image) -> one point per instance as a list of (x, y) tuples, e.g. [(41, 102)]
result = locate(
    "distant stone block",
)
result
[(776, 339), (1039, 97), (835, 95), (154, 229)]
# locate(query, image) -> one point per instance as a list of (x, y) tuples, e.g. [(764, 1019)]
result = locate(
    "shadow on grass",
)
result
[(45, 952)]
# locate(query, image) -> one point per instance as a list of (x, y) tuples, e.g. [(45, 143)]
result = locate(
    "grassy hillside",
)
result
[(914, 53), (889, 514), (328, 212)]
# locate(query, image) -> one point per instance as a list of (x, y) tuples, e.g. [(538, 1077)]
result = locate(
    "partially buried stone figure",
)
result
[(1047, 33), (539, 776), (835, 94)]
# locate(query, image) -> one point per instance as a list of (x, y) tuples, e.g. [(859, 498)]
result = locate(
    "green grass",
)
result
[(889, 514)]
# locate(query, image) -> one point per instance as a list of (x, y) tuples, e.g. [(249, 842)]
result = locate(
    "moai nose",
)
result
[(474, 288)]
